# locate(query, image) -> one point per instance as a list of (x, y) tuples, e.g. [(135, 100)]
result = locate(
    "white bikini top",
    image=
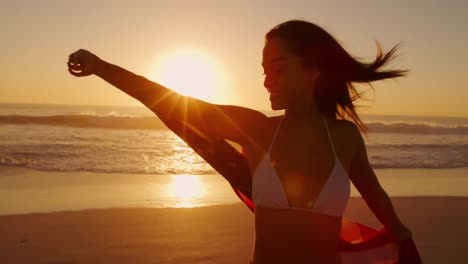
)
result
[(267, 189)]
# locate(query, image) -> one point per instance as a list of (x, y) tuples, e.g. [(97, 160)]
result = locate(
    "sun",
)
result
[(192, 72)]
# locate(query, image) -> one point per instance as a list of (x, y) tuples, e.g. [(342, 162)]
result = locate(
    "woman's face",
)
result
[(286, 79)]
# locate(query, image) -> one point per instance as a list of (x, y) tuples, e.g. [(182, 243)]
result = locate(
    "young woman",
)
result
[(302, 162)]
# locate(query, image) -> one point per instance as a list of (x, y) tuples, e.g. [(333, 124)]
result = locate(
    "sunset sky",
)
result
[(215, 47)]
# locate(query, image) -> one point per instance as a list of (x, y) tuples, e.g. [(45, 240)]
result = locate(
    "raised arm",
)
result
[(366, 182), (223, 121)]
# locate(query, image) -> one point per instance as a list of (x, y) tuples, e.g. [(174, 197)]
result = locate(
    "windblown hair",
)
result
[(335, 92)]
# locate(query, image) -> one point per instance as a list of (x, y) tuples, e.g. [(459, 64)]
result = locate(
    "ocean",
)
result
[(131, 140)]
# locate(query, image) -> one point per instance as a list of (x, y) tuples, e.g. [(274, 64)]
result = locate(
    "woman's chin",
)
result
[(277, 106)]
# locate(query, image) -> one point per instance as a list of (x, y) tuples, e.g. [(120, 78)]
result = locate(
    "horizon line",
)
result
[(261, 110)]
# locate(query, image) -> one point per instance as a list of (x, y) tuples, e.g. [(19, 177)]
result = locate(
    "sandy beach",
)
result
[(212, 234)]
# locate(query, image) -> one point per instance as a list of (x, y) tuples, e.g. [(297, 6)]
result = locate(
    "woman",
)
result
[(301, 162)]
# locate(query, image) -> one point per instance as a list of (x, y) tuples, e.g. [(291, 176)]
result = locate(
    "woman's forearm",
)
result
[(384, 211)]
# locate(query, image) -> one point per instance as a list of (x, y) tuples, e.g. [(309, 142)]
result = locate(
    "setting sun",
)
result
[(191, 72)]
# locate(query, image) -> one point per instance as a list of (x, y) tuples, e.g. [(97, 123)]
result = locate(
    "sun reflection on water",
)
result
[(186, 189)]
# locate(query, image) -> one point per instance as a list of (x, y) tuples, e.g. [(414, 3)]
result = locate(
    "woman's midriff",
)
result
[(295, 236)]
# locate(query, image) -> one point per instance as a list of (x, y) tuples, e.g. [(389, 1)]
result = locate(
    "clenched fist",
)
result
[(82, 63)]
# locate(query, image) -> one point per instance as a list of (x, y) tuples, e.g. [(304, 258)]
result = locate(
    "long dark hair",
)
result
[(335, 92)]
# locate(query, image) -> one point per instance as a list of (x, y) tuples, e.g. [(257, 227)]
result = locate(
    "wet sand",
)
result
[(213, 234)]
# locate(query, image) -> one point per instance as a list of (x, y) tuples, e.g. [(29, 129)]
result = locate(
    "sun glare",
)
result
[(193, 73), (185, 189)]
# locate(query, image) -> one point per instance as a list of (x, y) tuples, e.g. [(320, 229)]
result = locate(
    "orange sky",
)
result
[(37, 37)]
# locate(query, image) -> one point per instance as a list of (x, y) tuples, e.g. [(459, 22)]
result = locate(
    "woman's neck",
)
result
[(303, 110)]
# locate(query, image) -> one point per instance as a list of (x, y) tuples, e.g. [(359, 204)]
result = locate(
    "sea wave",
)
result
[(106, 161), (57, 167), (87, 121), (113, 121), (415, 128), (419, 147)]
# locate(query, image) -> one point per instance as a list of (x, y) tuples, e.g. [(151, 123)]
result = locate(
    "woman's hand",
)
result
[(82, 63), (402, 234)]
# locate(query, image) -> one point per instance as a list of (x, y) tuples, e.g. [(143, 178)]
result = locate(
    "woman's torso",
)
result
[(302, 148)]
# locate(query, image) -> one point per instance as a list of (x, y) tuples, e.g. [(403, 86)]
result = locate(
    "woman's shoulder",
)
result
[(343, 125), (347, 140), (346, 129), (346, 125)]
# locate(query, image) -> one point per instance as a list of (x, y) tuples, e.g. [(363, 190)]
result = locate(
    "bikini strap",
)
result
[(328, 132), (276, 133)]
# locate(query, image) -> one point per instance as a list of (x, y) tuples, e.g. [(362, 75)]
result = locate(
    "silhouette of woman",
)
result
[(301, 163)]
